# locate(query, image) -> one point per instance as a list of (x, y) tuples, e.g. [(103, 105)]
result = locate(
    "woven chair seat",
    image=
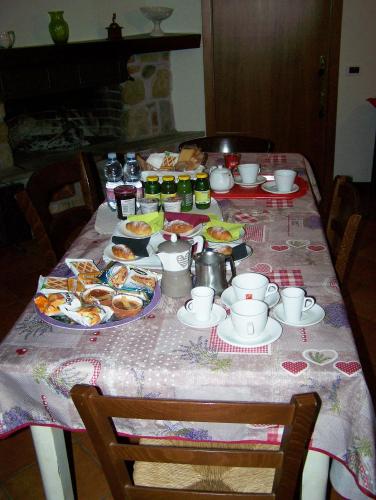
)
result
[(203, 477)]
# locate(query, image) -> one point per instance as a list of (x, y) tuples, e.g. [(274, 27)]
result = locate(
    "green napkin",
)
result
[(234, 229), (154, 219)]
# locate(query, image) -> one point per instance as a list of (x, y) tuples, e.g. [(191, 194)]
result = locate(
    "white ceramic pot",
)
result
[(221, 179)]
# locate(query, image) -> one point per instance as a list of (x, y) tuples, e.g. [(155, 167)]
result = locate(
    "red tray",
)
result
[(239, 192)]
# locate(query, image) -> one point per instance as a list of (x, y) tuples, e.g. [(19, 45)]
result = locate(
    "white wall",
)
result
[(88, 19), (356, 118)]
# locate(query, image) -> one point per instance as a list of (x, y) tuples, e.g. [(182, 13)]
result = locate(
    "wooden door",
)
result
[(271, 70)]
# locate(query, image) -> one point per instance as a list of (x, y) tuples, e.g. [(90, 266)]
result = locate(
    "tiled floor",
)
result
[(19, 474)]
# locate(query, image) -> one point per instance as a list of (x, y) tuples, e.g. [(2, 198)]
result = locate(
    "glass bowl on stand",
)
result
[(157, 15)]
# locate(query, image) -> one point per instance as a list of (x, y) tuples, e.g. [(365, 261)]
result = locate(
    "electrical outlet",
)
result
[(352, 70)]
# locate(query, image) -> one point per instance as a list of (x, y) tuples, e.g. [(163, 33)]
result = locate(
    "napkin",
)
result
[(138, 246), (234, 229), (194, 219)]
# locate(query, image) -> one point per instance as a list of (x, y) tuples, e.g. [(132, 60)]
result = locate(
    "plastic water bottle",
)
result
[(132, 173), (113, 173)]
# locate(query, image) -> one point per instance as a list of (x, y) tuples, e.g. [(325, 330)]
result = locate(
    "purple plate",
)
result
[(110, 324)]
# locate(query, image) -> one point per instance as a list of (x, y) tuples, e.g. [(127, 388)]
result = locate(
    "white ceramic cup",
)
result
[(249, 317), (249, 172), (201, 303), (284, 180), (252, 286), (294, 303)]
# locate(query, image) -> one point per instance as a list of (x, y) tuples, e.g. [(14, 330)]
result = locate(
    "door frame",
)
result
[(334, 42)]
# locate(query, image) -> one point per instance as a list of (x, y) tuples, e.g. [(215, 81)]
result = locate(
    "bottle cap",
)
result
[(168, 178), (184, 177), (152, 178), (203, 175), (111, 156), (130, 155)]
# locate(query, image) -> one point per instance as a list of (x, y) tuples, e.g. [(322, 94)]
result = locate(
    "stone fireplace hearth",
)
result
[(133, 110)]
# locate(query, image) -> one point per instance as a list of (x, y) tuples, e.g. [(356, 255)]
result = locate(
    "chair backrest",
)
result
[(343, 224), (231, 143), (298, 418), (43, 185)]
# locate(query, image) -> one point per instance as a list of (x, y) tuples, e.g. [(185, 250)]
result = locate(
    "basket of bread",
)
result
[(96, 298)]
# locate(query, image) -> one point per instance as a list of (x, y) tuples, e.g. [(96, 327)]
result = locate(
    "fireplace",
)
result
[(64, 98)]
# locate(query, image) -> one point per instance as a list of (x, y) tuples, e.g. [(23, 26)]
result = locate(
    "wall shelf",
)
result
[(44, 69)]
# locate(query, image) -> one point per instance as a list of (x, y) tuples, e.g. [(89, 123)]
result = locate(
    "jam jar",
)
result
[(125, 197)]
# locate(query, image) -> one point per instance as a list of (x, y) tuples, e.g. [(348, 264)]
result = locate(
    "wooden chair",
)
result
[(208, 459), (343, 224), (55, 232), (231, 143)]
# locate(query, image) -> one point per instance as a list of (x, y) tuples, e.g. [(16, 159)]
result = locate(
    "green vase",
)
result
[(59, 29)]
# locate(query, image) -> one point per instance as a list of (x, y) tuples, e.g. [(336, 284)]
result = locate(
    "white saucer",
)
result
[(107, 254), (272, 332), (218, 314), (228, 297), (309, 318), (271, 187), (260, 180)]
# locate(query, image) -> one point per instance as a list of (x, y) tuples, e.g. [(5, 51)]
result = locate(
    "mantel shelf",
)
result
[(37, 70)]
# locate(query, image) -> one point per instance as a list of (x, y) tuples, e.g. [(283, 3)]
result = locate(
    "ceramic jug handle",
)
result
[(232, 266), (200, 243)]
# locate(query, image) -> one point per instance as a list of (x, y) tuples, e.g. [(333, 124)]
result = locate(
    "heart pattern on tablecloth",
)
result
[(349, 368), (279, 248), (294, 368), (316, 248), (298, 243), (320, 357), (262, 267)]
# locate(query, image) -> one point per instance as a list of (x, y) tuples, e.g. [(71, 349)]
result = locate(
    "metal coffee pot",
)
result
[(210, 270), (175, 256)]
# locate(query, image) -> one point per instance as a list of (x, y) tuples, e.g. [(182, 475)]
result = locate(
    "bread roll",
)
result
[(224, 250), (139, 228), (219, 233), (178, 227), (122, 252)]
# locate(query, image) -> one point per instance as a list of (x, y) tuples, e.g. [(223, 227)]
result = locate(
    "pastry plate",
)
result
[(271, 187), (228, 334), (239, 240), (122, 231), (260, 180), (109, 324), (108, 255), (228, 297), (192, 232), (310, 317), (187, 318)]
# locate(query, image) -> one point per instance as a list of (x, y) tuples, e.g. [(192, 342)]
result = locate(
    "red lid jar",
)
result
[(125, 197)]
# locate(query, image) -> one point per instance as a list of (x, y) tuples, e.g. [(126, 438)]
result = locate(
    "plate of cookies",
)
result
[(121, 294)]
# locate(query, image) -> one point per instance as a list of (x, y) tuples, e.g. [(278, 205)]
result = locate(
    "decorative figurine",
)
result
[(114, 30)]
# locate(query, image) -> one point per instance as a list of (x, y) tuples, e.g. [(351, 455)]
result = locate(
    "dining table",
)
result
[(158, 356)]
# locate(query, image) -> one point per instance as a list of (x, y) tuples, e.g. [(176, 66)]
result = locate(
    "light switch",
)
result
[(352, 70)]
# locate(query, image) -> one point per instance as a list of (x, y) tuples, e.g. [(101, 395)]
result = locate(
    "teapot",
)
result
[(221, 179), (175, 256), (7, 39), (210, 269)]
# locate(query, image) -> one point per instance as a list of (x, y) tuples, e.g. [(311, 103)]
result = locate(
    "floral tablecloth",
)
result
[(157, 356)]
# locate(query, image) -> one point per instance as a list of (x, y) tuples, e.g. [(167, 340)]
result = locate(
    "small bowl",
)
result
[(126, 306)]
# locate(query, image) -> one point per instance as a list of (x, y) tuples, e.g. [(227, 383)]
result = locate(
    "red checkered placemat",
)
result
[(286, 277), (279, 203), (218, 345), (254, 233)]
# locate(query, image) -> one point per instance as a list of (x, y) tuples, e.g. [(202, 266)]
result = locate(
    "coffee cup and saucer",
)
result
[(251, 286), (249, 325), (200, 311), (298, 310)]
